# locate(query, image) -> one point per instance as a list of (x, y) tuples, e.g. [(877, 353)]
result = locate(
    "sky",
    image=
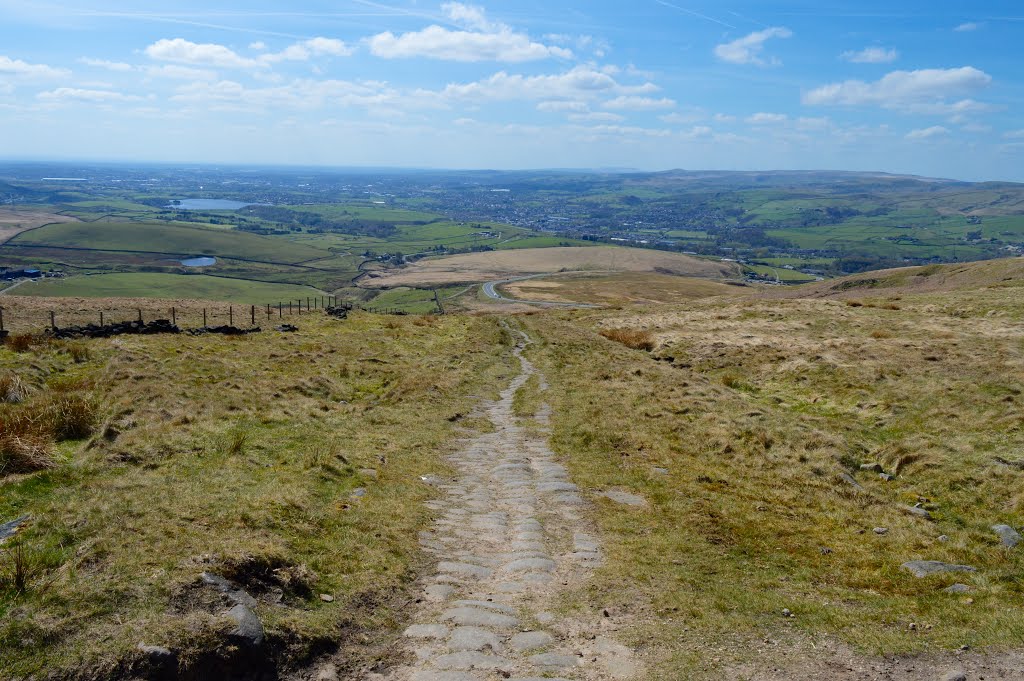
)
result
[(930, 88)]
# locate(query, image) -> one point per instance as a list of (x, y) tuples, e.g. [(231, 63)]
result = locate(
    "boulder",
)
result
[(924, 568), (1007, 535), (248, 628)]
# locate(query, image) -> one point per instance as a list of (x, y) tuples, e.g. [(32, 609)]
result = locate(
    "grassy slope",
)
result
[(169, 286), (236, 454), (165, 238), (764, 405)]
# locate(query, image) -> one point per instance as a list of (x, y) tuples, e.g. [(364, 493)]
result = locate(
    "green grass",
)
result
[(170, 286), (780, 273), (239, 457), (155, 237)]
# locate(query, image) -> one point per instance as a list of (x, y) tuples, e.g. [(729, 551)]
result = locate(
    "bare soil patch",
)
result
[(479, 267), (617, 289)]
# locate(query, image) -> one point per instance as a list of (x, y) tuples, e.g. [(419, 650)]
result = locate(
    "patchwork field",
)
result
[(14, 221), (477, 267), (615, 289)]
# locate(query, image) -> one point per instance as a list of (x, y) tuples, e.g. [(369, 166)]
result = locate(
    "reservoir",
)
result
[(199, 262), (207, 204)]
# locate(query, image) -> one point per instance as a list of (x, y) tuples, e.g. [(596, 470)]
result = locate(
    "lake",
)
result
[(207, 204), (199, 262)]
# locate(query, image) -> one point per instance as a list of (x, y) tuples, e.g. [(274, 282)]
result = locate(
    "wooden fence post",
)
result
[(204, 317), (253, 311), (280, 310), (289, 307), (53, 320), (231, 315), (1, 319), (140, 315), (174, 317), (101, 318)]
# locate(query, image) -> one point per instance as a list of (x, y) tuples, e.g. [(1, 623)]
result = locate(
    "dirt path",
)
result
[(510, 535)]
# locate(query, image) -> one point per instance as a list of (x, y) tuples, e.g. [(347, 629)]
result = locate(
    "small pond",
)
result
[(199, 262)]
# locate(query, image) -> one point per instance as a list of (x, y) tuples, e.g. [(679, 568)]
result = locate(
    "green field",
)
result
[(171, 286), (158, 237), (780, 274)]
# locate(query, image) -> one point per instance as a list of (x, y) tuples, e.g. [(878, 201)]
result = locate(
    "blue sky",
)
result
[(931, 88)]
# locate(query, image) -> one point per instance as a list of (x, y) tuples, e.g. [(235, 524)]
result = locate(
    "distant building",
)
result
[(30, 273)]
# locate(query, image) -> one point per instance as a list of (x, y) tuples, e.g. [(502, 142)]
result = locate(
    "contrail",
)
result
[(696, 14)]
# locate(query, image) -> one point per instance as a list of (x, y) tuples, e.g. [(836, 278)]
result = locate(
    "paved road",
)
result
[(491, 291)]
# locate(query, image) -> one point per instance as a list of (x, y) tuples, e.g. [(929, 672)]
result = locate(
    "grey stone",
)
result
[(545, 617), (849, 479), (916, 511), (957, 589), (531, 565), (530, 640), (486, 605), (476, 617), (886, 477), (881, 530), (924, 568), (358, 492), (660, 471), (556, 486), (9, 529), (955, 676), (872, 467), (470, 659), (234, 594), (465, 570), (1007, 535), (428, 631), (553, 660), (368, 473), (157, 653), (622, 497), (474, 638), (248, 628), (327, 672), (443, 676), (439, 592)]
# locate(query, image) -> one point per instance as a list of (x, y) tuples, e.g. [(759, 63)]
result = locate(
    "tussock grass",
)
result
[(238, 457), (22, 342), (637, 339), (766, 405), (12, 388)]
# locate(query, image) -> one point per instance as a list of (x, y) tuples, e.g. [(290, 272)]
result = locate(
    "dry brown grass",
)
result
[(22, 342), (12, 388), (637, 339), (24, 453)]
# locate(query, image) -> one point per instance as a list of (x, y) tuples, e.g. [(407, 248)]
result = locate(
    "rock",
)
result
[(530, 640), (248, 628), (9, 529), (476, 617), (157, 653), (436, 631), (957, 589), (943, 538), (327, 598), (471, 659), (622, 497), (328, 672), (286, 328), (368, 473), (924, 568), (531, 565), (955, 676), (916, 511), (872, 467), (660, 471), (1007, 535), (553, 661), (881, 530), (358, 493), (886, 477), (849, 480), (786, 612), (474, 638), (464, 570), (235, 595)]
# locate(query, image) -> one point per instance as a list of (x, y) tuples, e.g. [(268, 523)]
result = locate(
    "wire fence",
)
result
[(45, 315)]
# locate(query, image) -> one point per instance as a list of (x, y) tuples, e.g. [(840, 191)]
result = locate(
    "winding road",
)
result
[(491, 291)]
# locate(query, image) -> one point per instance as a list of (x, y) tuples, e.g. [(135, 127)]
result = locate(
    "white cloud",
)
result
[(484, 41), (176, 72), (967, 27), (562, 106), (691, 115), (767, 118), (596, 117), (1014, 134), (108, 65), (85, 95), (305, 50), (928, 133), (871, 55), (302, 95), (912, 91), (21, 69), (748, 49), (258, 46), (633, 103), (183, 51), (579, 83)]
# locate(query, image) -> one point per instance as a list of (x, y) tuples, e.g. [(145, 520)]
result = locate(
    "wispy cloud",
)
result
[(17, 68), (928, 133), (906, 90), (695, 14), (967, 27), (748, 49), (871, 55)]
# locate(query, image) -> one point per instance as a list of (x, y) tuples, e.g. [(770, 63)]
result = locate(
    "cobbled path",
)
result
[(510, 535)]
